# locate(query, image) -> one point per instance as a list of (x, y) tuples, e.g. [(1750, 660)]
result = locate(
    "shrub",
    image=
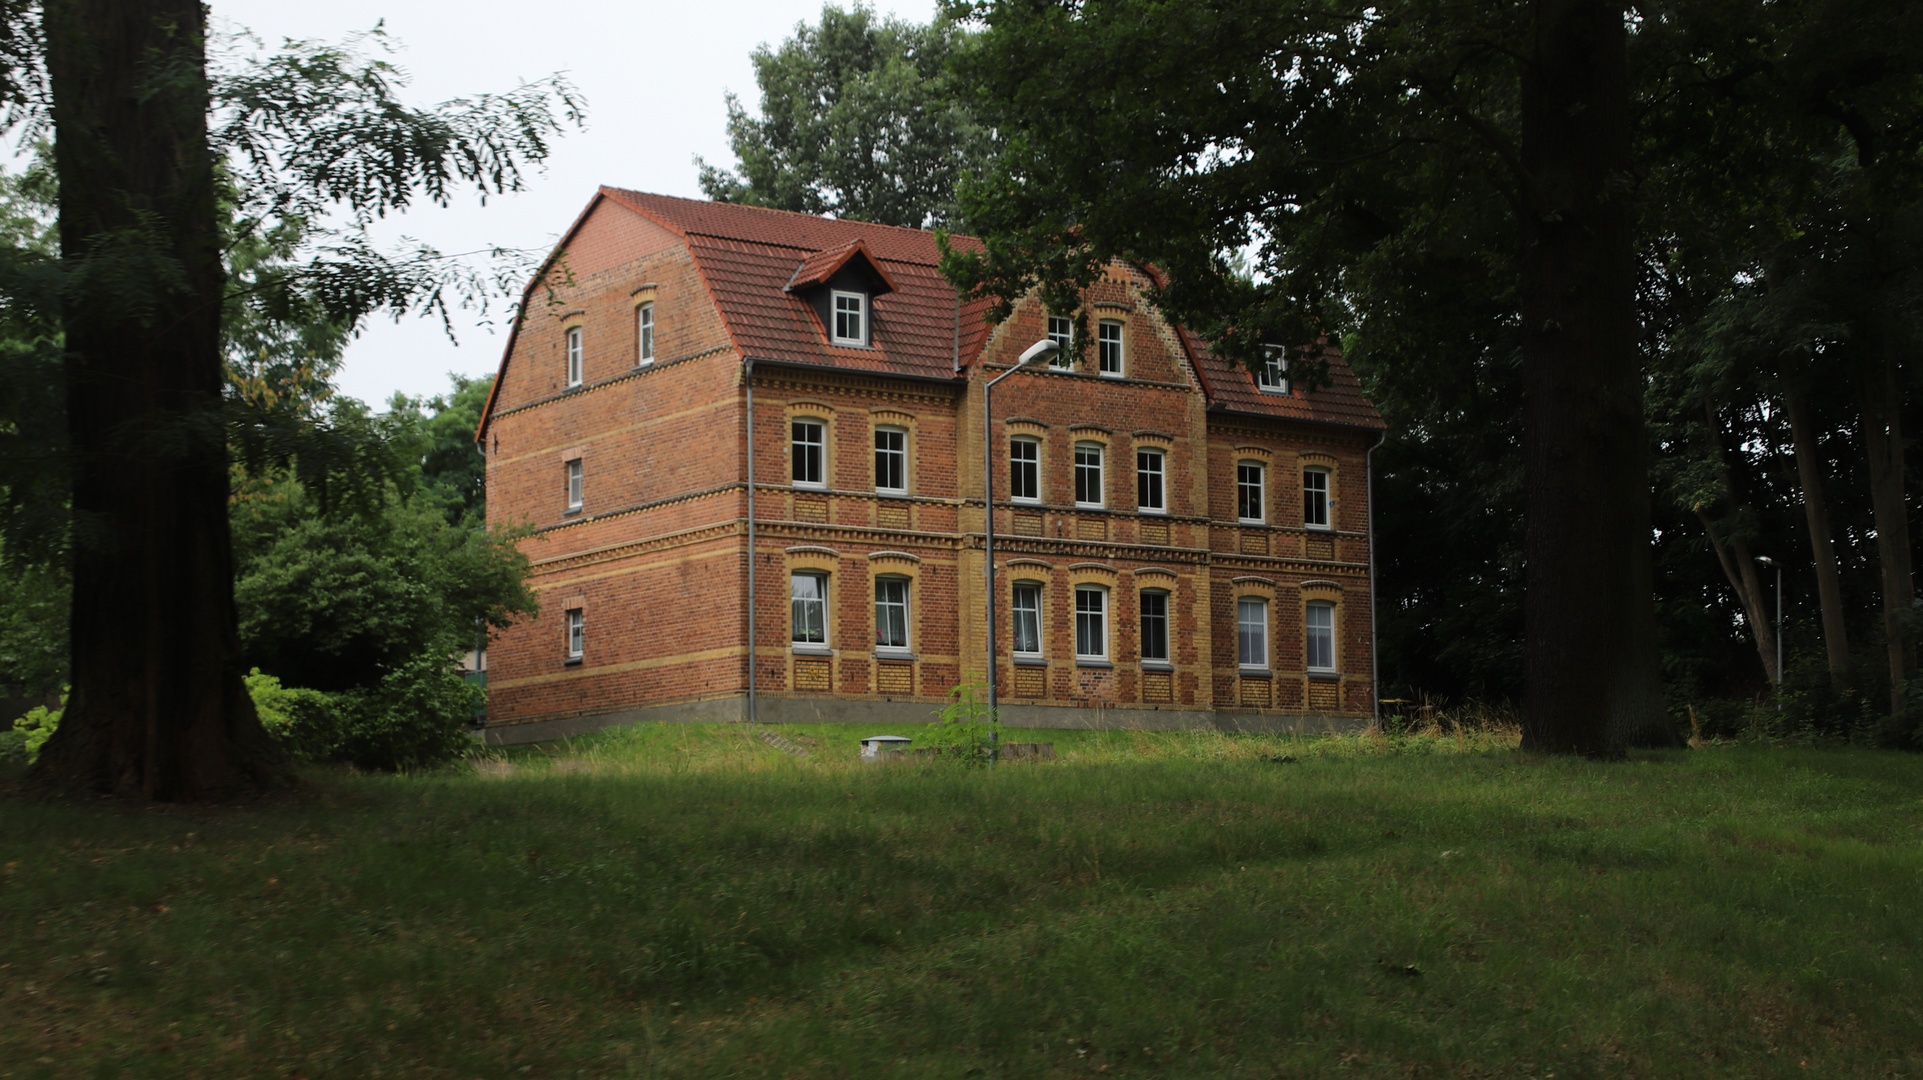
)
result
[(964, 727), (414, 719)]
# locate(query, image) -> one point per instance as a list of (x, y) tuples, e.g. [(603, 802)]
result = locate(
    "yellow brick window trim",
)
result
[(1254, 587), (1257, 453), (1093, 574), (572, 319), (809, 409), (894, 564), (1319, 590), (819, 559), (1153, 440), (880, 418), (1020, 425), (1090, 433), (1315, 460), (1036, 565), (575, 453), (1154, 577), (642, 295), (1317, 457)]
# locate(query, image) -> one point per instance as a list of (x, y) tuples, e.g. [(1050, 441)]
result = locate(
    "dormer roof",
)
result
[(819, 268)]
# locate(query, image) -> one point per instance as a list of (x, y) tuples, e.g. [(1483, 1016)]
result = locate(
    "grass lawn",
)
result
[(687, 901)]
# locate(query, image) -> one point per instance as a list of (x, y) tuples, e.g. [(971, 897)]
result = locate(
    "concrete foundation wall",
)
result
[(780, 710)]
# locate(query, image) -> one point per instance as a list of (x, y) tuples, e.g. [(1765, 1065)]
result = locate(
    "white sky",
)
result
[(653, 73)]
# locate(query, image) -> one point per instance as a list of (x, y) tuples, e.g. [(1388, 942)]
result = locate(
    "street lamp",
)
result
[(1767, 561), (1036, 353)]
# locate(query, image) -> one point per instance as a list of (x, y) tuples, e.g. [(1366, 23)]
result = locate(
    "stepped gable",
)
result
[(749, 255)]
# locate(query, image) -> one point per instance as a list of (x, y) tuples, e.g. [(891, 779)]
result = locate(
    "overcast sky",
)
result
[(653, 73)]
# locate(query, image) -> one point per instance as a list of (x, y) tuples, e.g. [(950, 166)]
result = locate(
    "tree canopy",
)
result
[(861, 118)]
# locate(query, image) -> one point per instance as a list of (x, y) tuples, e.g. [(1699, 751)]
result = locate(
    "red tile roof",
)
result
[(751, 256)]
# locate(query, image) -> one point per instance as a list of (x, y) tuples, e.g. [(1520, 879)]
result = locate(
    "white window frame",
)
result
[(1101, 492), (1160, 598), (1251, 476), (577, 482), (1061, 331), (1108, 348), (883, 585), (577, 636), (1019, 591), (856, 317), (1315, 499), (819, 601), (1033, 466), (898, 452), (574, 352), (1091, 610), (1160, 474), (1251, 635), (644, 334), (1311, 632), (801, 450), (1273, 376)]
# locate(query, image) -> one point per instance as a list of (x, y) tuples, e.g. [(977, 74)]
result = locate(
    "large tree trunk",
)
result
[(1592, 676), (1829, 581), (158, 707), (1881, 404)]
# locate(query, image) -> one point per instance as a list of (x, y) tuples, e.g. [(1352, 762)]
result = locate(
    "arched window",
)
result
[(1091, 622), (644, 334), (808, 452), (1319, 619), (1028, 618), (1252, 633), (1088, 474), (891, 614)]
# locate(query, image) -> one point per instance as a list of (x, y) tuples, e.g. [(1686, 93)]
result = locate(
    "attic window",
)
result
[(851, 318), (1273, 376)]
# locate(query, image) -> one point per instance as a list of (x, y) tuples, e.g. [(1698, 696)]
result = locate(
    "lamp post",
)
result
[(1769, 562), (1040, 351)]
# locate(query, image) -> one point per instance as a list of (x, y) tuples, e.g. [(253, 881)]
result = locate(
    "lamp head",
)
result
[(1038, 352), (1765, 560)]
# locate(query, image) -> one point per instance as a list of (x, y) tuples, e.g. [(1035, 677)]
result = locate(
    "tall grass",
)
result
[(688, 901)]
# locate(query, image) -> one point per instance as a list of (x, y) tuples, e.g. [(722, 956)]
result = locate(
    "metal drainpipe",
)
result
[(747, 376), (1375, 667)]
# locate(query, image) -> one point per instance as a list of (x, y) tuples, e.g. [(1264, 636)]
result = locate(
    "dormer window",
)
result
[(851, 318), (1273, 376)]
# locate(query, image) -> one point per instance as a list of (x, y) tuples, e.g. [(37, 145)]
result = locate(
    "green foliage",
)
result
[(334, 602), (415, 719), (964, 728), (861, 118), (438, 434), (31, 732), (33, 628)]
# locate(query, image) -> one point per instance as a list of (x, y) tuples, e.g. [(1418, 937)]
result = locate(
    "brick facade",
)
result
[(656, 557)]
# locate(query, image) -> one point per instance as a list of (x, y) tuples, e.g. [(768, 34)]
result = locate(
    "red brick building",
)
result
[(1177, 542)]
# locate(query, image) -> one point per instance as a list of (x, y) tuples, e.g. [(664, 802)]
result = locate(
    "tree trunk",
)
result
[(1591, 666), (1739, 563), (1881, 404), (1829, 581), (158, 707)]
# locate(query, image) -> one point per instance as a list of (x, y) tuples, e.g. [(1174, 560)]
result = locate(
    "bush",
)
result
[(415, 719)]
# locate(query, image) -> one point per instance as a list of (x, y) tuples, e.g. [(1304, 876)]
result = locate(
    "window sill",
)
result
[(811, 650), (1090, 506), (1092, 663), (1157, 665), (1324, 675), (1255, 672), (1278, 391), (803, 486), (843, 343), (1251, 521), (1025, 502), (1151, 512), (1113, 375), (1320, 528), (1031, 661), (892, 493), (571, 511), (571, 661), (883, 652)]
